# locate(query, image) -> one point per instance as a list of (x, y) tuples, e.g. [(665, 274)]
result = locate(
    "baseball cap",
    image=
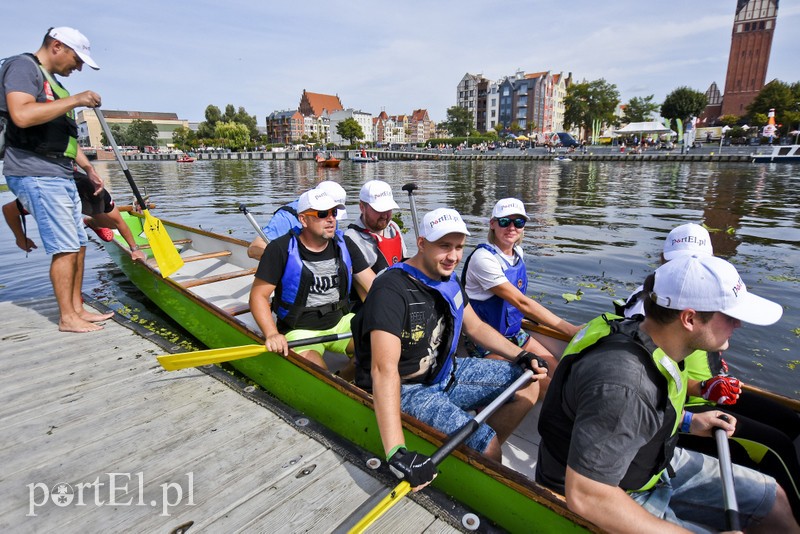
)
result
[(76, 41), (378, 194), (706, 283), (688, 239), (509, 206), (317, 199), (337, 193), (440, 222)]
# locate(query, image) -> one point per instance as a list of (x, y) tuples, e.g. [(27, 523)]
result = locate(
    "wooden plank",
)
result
[(238, 309), (175, 241), (208, 256), (218, 278)]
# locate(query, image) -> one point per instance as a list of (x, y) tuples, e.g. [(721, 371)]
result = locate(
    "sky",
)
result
[(181, 56)]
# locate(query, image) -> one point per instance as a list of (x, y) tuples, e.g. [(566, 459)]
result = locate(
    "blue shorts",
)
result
[(56, 207), (476, 351), (693, 498), (477, 383)]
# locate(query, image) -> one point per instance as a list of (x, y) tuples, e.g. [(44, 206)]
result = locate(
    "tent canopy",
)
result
[(645, 127)]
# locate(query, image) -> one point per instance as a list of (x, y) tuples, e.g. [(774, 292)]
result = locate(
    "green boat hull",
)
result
[(503, 496)]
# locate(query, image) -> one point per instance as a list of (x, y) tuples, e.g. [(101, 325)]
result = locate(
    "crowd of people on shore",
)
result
[(621, 407)]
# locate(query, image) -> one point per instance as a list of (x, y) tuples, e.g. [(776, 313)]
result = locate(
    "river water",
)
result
[(596, 229)]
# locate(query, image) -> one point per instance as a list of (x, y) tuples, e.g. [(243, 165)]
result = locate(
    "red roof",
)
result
[(319, 103)]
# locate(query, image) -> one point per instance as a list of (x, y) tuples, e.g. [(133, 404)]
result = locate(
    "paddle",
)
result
[(726, 473), (164, 251), (378, 505), (252, 220), (410, 188), (173, 362)]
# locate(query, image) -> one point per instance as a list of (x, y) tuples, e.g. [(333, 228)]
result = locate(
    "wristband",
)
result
[(394, 450), (687, 422)]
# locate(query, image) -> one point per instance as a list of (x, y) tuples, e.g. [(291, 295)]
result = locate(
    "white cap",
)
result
[(317, 199), (76, 41), (706, 283), (378, 195), (509, 206), (688, 239), (337, 193), (440, 222)]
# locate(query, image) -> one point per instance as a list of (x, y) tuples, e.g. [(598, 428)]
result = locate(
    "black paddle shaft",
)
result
[(117, 153), (410, 188), (726, 474)]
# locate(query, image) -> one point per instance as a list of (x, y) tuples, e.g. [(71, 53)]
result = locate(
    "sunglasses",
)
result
[(519, 222), (322, 214)]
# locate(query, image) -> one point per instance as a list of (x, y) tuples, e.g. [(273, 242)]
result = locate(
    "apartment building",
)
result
[(363, 119), (285, 126)]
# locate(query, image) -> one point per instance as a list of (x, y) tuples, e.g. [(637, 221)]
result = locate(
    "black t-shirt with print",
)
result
[(324, 290)]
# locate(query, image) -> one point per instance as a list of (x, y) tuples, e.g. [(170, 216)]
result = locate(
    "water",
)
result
[(596, 229)]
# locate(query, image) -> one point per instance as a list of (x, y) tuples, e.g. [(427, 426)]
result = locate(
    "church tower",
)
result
[(751, 42)]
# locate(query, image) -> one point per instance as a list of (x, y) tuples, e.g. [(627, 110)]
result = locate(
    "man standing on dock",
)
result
[(41, 148)]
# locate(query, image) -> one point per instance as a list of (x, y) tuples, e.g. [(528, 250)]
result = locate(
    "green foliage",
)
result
[(350, 129), (683, 103), (514, 128), (784, 98), (184, 138), (235, 136), (639, 109), (118, 131), (731, 120), (207, 128), (141, 133), (759, 119), (459, 121), (588, 101)]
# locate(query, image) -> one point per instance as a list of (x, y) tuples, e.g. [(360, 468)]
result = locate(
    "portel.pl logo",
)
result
[(111, 489)]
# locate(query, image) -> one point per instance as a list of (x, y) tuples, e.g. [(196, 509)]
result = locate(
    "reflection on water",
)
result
[(596, 227)]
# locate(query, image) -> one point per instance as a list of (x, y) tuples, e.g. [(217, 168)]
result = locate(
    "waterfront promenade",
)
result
[(97, 437)]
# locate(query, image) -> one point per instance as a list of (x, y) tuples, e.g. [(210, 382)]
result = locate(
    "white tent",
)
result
[(653, 127)]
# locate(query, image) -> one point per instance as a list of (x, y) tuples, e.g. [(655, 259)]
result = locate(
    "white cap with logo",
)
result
[(378, 194), (509, 206), (316, 199), (706, 283), (337, 193), (440, 222), (76, 41), (688, 239)]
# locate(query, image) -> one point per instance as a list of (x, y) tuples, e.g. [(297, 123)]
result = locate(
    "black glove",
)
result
[(526, 360), (414, 467)]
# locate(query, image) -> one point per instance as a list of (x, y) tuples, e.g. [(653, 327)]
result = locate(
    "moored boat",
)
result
[(208, 296), (329, 162), (779, 154), (364, 159), (185, 159)]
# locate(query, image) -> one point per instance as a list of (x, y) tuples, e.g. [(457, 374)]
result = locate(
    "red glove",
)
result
[(721, 389)]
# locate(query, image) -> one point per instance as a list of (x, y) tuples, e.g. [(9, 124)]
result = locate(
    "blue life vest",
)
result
[(297, 279), (501, 314), (450, 290)]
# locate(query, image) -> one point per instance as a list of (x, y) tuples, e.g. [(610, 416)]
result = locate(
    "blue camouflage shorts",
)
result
[(477, 382)]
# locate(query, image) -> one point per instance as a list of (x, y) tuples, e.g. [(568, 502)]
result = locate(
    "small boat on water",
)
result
[(364, 159), (208, 296), (185, 159), (330, 162), (779, 154), (562, 159)]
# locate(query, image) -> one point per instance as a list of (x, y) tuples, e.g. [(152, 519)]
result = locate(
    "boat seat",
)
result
[(207, 256), (218, 278), (176, 242), (238, 309)]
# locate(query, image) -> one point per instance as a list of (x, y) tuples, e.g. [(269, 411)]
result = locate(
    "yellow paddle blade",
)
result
[(173, 362), (400, 491), (167, 256)]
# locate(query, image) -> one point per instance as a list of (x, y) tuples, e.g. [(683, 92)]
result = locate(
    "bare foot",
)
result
[(78, 326), (94, 317)]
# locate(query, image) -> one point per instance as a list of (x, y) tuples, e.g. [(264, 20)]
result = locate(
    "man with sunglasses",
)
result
[(496, 280), (311, 271), (41, 148)]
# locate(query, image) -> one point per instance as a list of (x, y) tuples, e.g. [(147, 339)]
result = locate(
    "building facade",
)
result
[(285, 126), (420, 127), (90, 131), (470, 89), (363, 119)]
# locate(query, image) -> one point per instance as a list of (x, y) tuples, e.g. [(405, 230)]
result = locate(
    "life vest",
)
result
[(555, 424), (297, 279), (451, 292), (390, 248), (56, 138), (495, 311)]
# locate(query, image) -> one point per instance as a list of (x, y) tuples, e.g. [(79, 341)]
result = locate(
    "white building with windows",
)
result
[(363, 119)]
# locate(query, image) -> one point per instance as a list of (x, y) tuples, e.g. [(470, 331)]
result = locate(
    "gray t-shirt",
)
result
[(22, 74)]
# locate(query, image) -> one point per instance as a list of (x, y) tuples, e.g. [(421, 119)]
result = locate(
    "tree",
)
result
[(350, 129), (640, 109), (459, 121), (184, 138), (118, 131), (206, 128), (235, 135), (729, 120), (783, 98), (683, 103), (142, 133), (589, 101)]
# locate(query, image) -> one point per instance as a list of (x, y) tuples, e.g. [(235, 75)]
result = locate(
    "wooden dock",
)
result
[(97, 437)]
